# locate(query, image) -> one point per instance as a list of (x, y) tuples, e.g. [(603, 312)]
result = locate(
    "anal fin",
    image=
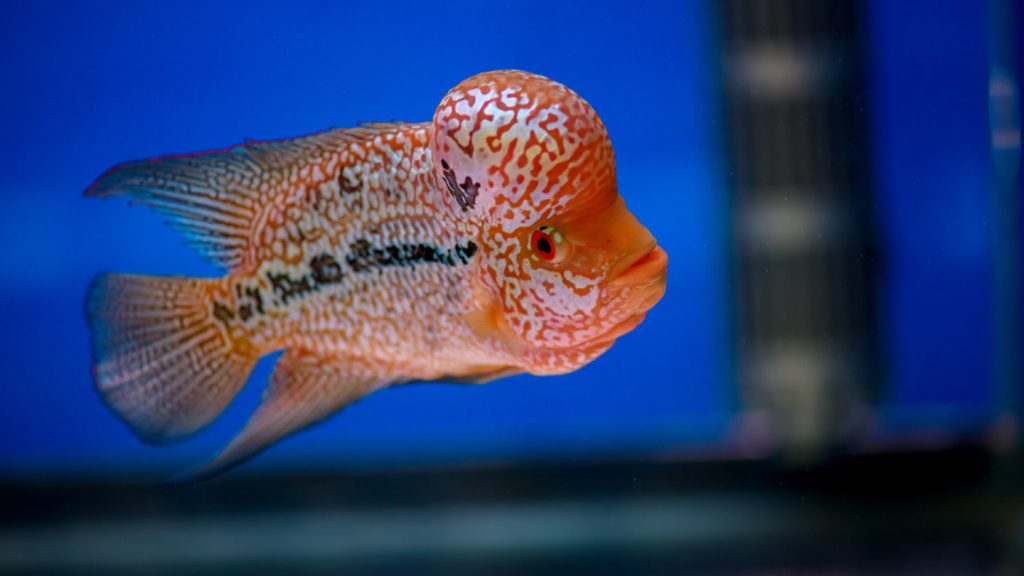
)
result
[(304, 389)]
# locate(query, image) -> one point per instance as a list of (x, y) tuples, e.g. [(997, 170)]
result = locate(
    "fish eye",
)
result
[(548, 245)]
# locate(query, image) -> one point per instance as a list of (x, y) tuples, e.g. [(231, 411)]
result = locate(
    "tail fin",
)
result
[(161, 361)]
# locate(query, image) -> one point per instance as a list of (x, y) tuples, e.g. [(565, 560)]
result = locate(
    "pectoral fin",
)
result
[(304, 389)]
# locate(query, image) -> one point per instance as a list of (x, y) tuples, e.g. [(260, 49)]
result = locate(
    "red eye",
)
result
[(543, 243)]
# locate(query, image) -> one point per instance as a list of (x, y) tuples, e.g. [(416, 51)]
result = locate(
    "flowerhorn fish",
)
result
[(491, 241)]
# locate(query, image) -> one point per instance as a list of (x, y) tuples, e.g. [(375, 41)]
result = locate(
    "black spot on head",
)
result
[(465, 194), (347, 186)]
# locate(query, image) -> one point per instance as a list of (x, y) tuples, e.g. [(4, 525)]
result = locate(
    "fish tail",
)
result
[(162, 362)]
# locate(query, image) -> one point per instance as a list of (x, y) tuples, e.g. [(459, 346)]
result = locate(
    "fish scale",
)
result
[(375, 256), (391, 206)]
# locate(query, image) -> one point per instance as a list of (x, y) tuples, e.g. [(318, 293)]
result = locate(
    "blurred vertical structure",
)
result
[(1004, 127), (803, 248)]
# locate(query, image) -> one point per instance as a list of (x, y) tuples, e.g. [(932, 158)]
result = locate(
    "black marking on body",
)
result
[(324, 271), (365, 257), (223, 313), (257, 299), (465, 194), (287, 287), (248, 301), (466, 251)]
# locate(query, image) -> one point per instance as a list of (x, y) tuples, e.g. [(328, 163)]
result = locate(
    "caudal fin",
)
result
[(161, 361)]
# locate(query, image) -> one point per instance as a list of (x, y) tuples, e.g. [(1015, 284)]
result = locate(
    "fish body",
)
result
[(490, 241)]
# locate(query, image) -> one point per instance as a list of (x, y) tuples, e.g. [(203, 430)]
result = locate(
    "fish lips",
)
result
[(642, 283), (651, 267)]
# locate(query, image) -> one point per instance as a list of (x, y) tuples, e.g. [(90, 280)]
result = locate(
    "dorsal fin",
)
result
[(215, 198)]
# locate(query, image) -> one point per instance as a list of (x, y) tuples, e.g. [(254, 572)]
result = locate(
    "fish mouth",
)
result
[(644, 280), (621, 329), (642, 269)]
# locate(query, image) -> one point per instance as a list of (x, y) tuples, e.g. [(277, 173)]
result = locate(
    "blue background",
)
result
[(86, 85), (928, 69)]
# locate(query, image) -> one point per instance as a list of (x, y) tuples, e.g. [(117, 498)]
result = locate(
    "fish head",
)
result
[(528, 167)]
